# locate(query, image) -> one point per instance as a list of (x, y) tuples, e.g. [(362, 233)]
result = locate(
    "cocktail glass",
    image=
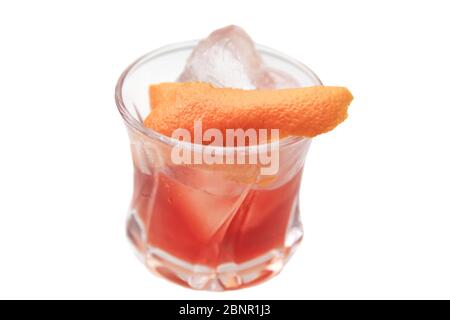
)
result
[(209, 227)]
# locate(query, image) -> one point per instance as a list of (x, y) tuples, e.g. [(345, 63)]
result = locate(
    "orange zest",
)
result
[(307, 112)]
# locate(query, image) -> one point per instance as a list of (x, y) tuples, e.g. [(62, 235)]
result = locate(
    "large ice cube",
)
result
[(228, 58)]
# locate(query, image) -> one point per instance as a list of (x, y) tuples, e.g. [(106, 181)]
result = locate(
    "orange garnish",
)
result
[(304, 112)]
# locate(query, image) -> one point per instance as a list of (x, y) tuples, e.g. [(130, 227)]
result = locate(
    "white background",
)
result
[(375, 196)]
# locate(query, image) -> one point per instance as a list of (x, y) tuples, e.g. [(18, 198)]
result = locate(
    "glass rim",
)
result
[(131, 121)]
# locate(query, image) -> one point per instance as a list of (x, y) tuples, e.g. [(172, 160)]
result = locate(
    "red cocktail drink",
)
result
[(214, 227)]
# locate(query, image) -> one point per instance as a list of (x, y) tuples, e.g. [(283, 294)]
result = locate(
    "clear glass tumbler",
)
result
[(209, 227)]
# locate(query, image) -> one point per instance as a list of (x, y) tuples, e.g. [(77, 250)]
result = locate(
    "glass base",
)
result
[(228, 276)]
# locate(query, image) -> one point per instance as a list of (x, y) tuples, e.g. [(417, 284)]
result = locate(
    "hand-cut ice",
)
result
[(228, 58)]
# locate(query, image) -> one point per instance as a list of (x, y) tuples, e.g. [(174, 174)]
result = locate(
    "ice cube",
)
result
[(228, 58)]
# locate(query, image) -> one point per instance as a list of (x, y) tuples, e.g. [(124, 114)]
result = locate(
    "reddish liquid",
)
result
[(203, 228)]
